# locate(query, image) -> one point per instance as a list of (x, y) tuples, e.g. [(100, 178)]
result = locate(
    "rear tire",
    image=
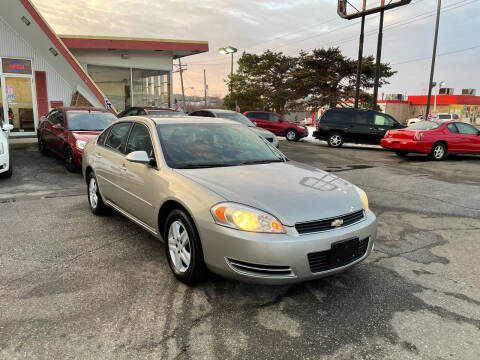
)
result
[(97, 206), (401, 153), (335, 140), (439, 151), (183, 248), (68, 159), (9, 172), (291, 135)]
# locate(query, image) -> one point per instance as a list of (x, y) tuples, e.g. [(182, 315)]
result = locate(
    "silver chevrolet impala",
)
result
[(223, 199)]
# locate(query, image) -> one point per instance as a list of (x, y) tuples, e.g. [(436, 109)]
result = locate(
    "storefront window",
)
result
[(18, 91), (151, 88), (115, 83)]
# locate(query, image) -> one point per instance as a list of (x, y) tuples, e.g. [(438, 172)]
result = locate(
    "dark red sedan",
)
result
[(437, 139), (277, 124), (65, 131)]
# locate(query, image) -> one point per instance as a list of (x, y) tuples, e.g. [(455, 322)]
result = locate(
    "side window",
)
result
[(452, 128), (363, 118), (131, 112), (466, 129), (101, 138), (382, 120), (198, 113), (209, 114), (139, 140), (141, 112), (118, 137), (455, 117), (273, 117), (262, 116)]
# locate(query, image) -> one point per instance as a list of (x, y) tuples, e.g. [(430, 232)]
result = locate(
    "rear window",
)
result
[(425, 125)]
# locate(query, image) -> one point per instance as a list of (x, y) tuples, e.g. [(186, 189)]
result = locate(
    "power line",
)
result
[(442, 54)]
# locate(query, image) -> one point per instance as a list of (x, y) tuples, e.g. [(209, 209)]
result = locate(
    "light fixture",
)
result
[(227, 50), (25, 20), (53, 51)]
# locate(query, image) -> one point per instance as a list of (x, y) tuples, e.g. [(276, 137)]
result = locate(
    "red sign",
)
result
[(56, 104)]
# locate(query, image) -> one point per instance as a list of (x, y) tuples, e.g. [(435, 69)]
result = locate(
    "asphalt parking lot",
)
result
[(76, 286)]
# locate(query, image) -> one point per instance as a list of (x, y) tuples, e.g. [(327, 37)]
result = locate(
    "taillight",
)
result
[(418, 136), (387, 134)]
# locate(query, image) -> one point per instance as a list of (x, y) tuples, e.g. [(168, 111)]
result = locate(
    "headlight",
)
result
[(245, 218), (80, 144), (364, 198)]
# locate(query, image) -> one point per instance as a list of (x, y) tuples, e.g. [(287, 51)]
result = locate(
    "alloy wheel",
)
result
[(438, 151), (92, 193), (291, 135), (335, 140), (179, 246)]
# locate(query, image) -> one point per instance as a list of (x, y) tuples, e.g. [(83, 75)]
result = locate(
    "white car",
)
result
[(5, 163), (414, 120), (446, 117)]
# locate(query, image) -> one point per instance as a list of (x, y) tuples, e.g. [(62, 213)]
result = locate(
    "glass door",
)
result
[(18, 96)]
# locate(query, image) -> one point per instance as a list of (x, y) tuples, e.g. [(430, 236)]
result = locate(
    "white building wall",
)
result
[(12, 45), (136, 59)]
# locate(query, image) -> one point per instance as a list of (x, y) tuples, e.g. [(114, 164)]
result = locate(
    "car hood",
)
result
[(262, 132), (85, 135), (291, 191)]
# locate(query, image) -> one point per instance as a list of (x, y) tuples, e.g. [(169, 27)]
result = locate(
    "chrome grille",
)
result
[(326, 224)]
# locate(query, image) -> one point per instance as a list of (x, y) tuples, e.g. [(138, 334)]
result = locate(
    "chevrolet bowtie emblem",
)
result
[(337, 223)]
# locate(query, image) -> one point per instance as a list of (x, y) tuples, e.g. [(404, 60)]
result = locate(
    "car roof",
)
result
[(80, 108), (187, 120), (216, 110)]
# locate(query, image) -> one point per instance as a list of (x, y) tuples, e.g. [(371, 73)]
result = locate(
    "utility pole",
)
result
[(432, 69), (231, 74), (360, 60), (205, 85), (379, 57), (181, 82)]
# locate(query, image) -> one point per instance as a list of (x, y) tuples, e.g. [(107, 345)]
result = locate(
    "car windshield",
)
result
[(425, 125), (235, 116), (89, 120), (165, 112), (189, 146)]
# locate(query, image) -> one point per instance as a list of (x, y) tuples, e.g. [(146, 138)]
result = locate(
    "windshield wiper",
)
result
[(202, 166), (260, 162)]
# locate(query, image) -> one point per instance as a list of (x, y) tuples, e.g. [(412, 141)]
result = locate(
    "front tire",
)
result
[(439, 151), (9, 172), (401, 153), (183, 248), (97, 206), (335, 140), (41, 145), (291, 135), (69, 161)]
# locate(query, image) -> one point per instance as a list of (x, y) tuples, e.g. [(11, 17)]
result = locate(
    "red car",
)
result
[(434, 138), (276, 124), (65, 131), (142, 110)]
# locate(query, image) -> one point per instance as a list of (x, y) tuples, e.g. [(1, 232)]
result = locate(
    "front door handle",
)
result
[(123, 167)]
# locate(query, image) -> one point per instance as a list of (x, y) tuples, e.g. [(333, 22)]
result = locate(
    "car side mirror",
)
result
[(7, 127), (140, 157), (255, 123)]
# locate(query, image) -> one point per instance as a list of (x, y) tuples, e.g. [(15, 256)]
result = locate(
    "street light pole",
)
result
[(379, 57), (229, 50), (432, 69)]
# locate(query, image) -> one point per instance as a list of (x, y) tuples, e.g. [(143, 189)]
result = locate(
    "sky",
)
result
[(288, 26)]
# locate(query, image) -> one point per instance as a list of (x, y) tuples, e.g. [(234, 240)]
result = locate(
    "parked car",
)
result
[(446, 117), (5, 158), (277, 124), (435, 138), (65, 131), (414, 120), (221, 198), (149, 110), (10, 115), (242, 119), (340, 125)]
